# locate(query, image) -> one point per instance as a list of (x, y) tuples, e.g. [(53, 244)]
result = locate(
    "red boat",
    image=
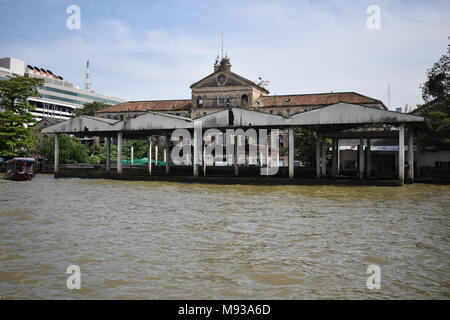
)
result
[(20, 169)]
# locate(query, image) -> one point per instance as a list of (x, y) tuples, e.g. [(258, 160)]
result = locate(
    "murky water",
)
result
[(151, 240)]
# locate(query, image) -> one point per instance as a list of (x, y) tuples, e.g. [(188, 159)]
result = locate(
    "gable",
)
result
[(231, 79)]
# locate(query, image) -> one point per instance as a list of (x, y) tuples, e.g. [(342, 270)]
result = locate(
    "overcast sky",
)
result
[(143, 50)]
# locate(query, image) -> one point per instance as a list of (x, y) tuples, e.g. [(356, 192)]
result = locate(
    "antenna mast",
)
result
[(222, 45), (87, 80)]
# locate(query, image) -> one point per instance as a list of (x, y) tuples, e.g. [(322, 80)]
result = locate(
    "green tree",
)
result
[(91, 108), (16, 137), (437, 85), (71, 150), (305, 145), (436, 93)]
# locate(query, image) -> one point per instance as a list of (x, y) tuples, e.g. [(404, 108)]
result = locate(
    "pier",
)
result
[(336, 122)]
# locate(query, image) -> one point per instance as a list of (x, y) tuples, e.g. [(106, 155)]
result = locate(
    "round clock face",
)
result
[(222, 78)]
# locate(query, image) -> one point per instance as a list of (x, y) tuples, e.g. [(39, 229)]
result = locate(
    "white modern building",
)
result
[(59, 98)]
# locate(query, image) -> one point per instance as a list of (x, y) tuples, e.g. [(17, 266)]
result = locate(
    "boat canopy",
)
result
[(21, 160)]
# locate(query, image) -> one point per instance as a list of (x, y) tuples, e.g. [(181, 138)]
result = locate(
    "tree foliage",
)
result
[(305, 145), (71, 150), (91, 108), (16, 137), (436, 93), (437, 85)]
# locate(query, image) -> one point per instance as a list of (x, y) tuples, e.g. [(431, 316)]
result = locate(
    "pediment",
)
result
[(223, 79)]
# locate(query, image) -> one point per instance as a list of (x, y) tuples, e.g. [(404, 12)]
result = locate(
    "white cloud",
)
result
[(300, 47)]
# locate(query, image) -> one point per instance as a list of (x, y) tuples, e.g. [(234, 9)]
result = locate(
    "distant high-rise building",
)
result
[(59, 98)]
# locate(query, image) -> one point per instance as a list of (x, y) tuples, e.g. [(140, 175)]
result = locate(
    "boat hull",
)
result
[(19, 176)]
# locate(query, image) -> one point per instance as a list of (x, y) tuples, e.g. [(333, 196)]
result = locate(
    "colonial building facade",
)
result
[(224, 89)]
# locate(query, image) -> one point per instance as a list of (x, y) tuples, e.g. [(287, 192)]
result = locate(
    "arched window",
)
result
[(244, 100)]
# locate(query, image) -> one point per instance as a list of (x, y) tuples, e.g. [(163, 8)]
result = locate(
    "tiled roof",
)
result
[(315, 99), (154, 105)]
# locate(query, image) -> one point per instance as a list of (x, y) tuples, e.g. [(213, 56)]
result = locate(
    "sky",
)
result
[(150, 50)]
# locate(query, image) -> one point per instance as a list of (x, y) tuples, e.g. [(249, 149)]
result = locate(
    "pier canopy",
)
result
[(336, 122), (336, 116)]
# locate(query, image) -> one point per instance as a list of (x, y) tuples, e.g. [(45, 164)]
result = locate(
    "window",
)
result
[(244, 100), (442, 164), (199, 102), (214, 101), (221, 102)]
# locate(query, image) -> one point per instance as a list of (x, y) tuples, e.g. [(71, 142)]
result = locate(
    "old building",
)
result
[(225, 89)]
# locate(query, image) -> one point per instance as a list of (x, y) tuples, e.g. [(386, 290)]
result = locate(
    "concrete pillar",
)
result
[(410, 157), (167, 154), (156, 156), (291, 152), (338, 160), (108, 153), (197, 148), (324, 159), (150, 158), (417, 160), (334, 159), (318, 161), (132, 155), (361, 158), (119, 151), (401, 154), (56, 153), (368, 159), (235, 156), (204, 159)]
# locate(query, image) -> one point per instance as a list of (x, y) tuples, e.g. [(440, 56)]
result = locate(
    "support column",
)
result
[(150, 158), (156, 156), (119, 151), (361, 158), (368, 159), (410, 157), (235, 156), (56, 153), (338, 160), (401, 154), (108, 153), (197, 148), (324, 158), (291, 152), (132, 155), (318, 137), (204, 159), (334, 159), (167, 154)]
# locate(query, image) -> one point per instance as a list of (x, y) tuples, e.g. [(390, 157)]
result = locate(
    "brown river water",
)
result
[(154, 240)]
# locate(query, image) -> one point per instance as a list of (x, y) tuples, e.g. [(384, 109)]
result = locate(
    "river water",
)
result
[(153, 240)]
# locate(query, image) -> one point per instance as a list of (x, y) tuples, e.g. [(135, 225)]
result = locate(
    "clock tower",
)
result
[(223, 89)]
